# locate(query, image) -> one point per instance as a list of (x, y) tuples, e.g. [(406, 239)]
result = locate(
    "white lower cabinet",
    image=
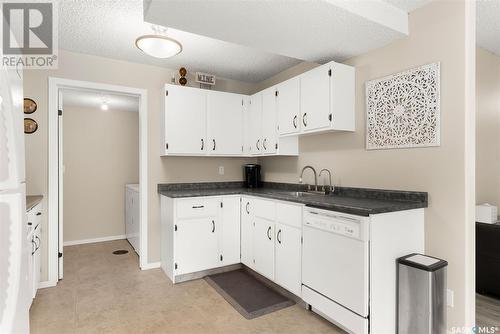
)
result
[(271, 240), (34, 237), (288, 257), (198, 234), (247, 225), (196, 245), (230, 234), (263, 247), (202, 233)]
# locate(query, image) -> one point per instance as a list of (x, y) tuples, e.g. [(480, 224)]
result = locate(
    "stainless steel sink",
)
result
[(300, 193)]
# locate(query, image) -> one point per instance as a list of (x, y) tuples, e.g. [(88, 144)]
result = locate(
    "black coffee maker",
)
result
[(252, 176)]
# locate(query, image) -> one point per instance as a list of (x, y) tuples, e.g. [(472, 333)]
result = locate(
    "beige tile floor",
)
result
[(105, 293)]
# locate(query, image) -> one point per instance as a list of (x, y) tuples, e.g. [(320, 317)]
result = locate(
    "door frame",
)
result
[(54, 201)]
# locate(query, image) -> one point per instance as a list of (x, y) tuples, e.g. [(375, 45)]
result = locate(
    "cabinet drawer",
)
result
[(197, 207), (264, 209), (289, 214)]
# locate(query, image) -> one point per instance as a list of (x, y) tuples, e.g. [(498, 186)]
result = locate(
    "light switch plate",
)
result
[(221, 170)]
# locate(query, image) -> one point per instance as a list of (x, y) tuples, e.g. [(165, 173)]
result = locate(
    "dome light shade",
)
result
[(158, 46)]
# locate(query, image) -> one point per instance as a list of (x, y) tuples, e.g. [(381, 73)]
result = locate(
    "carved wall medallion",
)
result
[(403, 110)]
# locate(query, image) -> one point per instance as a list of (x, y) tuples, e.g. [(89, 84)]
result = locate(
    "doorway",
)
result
[(104, 97)]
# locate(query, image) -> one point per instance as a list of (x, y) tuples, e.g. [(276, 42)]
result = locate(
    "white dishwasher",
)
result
[(335, 267)]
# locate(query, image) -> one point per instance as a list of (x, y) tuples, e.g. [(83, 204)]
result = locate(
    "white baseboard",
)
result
[(152, 265), (46, 284), (90, 241)]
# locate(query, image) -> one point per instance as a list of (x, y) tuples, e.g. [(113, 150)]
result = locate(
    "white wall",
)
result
[(101, 155), (437, 33), (488, 128)]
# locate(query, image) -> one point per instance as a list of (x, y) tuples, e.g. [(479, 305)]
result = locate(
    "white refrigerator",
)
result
[(15, 248)]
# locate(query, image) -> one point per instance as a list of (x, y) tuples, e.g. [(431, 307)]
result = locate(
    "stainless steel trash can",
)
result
[(421, 295)]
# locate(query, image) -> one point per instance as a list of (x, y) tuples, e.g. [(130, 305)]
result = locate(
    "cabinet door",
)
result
[(247, 130), (224, 123), (255, 119), (269, 131), (196, 245), (342, 96), (315, 99), (263, 251), (230, 243), (185, 120), (37, 260), (247, 226), (288, 258), (288, 105)]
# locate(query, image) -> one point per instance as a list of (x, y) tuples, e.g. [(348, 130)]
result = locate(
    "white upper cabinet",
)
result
[(255, 124), (288, 106), (184, 121), (269, 127), (342, 97), (224, 123), (315, 99), (204, 122), (327, 95), (247, 135)]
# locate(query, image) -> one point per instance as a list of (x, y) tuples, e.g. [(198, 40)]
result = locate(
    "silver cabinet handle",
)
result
[(257, 144), (246, 208), (264, 144), (304, 119), (202, 144), (214, 144), (269, 230), (295, 121), (198, 206), (278, 236), (213, 226)]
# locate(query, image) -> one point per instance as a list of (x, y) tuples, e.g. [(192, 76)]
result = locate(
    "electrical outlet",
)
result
[(449, 297), (221, 170)]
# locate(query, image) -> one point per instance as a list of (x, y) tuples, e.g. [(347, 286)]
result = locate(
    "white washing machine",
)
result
[(132, 220)]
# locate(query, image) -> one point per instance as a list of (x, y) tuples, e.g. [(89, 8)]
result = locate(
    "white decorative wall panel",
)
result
[(402, 110)]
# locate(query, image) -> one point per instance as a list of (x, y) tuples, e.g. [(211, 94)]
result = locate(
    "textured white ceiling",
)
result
[(109, 28), (314, 30), (408, 5), (93, 99), (488, 25)]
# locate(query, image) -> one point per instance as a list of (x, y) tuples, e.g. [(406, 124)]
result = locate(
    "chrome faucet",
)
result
[(331, 188), (315, 176)]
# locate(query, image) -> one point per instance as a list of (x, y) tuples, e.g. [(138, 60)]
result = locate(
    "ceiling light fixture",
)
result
[(158, 45), (104, 104)]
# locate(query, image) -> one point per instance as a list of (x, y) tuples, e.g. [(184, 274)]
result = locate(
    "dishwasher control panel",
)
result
[(338, 224)]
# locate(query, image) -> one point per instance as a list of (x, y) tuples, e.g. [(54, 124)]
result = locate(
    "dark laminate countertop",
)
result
[(358, 201), (33, 200)]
